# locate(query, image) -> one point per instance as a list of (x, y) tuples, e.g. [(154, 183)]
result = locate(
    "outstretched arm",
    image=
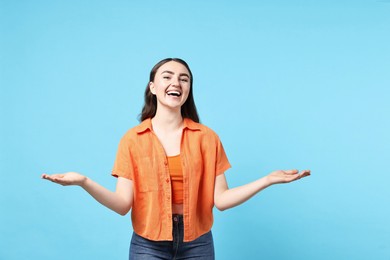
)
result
[(119, 201), (225, 198)]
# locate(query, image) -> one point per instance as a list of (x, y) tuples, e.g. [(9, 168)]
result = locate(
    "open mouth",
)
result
[(174, 93)]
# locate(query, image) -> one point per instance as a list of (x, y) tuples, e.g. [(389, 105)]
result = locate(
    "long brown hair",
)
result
[(188, 110)]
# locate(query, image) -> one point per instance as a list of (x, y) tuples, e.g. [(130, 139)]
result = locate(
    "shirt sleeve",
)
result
[(123, 165), (222, 162)]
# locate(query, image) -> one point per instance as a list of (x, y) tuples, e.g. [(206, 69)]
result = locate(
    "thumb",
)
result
[(295, 171)]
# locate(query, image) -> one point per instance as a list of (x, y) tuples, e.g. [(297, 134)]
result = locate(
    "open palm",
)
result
[(285, 176), (69, 178)]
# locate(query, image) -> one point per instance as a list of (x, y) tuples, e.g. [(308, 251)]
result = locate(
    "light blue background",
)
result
[(285, 84)]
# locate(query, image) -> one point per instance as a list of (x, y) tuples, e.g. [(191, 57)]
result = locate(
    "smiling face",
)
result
[(171, 85)]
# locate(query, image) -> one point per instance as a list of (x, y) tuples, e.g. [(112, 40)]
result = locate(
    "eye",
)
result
[(166, 77), (184, 79)]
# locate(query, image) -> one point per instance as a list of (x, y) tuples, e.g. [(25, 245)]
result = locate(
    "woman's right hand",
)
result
[(65, 179), (119, 201)]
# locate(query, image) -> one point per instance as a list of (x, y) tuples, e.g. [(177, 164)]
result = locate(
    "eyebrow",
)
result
[(171, 72)]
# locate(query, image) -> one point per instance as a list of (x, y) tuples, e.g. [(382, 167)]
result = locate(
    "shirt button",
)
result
[(165, 162), (167, 180)]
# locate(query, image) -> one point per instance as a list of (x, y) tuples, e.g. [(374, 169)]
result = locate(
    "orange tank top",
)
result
[(176, 173)]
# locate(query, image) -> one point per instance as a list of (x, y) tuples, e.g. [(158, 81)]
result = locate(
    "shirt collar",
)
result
[(189, 124), (147, 125)]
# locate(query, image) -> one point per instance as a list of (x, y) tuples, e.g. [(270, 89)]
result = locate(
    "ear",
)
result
[(152, 88)]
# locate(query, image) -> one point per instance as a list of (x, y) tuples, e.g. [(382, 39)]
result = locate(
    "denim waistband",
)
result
[(202, 247)]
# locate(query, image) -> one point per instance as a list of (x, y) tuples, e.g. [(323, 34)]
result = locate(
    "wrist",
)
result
[(83, 182), (268, 181)]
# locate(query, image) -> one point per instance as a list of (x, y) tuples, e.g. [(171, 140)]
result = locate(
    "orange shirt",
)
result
[(142, 158)]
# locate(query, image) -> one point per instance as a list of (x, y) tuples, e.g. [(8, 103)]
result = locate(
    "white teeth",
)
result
[(174, 93)]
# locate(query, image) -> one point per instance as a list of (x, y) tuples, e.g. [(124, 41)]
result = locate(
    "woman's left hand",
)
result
[(286, 176)]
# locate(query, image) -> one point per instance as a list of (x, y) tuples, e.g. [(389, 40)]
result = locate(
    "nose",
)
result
[(175, 82)]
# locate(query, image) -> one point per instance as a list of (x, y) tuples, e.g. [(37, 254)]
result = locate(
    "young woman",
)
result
[(170, 173)]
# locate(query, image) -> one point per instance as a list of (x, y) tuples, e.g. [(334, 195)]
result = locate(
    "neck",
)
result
[(167, 120)]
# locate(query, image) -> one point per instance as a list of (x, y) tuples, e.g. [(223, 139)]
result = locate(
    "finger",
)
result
[(46, 177), (305, 172), (57, 176), (53, 177), (290, 178), (290, 172), (60, 181)]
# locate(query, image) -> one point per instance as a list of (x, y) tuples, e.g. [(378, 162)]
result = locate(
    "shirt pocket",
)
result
[(147, 175)]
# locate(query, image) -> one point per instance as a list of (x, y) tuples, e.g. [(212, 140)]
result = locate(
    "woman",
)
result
[(170, 172)]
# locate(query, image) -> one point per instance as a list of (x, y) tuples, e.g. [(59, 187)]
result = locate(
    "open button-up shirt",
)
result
[(142, 159)]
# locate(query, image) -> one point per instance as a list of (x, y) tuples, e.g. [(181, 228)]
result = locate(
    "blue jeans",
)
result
[(201, 248)]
